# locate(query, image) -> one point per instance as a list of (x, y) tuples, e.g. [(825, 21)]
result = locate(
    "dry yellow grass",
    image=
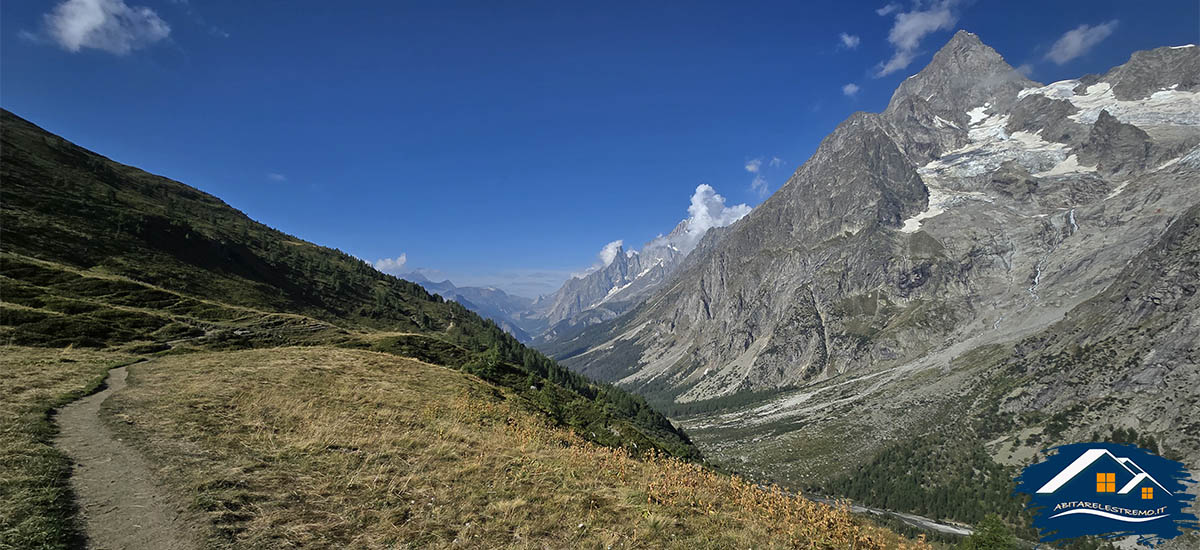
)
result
[(319, 447)]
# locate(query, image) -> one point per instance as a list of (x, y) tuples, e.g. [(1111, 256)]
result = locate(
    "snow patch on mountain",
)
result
[(978, 114), (1164, 107), (940, 200), (613, 292), (937, 204), (990, 146), (942, 123), (648, 268), (1069, 165)]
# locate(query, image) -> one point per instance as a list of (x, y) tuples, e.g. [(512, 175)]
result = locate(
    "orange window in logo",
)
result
[(1106, 483), (1147, 493)]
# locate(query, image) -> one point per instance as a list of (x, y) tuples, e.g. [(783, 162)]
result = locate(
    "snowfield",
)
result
[(1164, 107)]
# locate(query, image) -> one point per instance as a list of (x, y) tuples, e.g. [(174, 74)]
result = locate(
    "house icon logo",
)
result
[(1107, 490)]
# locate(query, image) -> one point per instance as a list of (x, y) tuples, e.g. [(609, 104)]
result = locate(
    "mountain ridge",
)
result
[(933, 241), (99, 254)]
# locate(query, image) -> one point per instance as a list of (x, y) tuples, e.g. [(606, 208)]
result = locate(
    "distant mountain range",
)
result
[(621, 281), (1002, 263), (512, 313)]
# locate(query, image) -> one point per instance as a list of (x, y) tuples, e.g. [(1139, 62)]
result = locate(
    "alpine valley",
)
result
[(989, 267)]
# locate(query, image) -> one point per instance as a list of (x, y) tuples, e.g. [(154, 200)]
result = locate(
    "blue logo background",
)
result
[(1099, 489)]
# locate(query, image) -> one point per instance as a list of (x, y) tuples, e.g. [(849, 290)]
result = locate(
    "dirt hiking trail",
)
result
[(120, 504)]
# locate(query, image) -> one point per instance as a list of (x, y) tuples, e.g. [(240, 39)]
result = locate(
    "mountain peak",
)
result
[(965, 51), (964, 36), (963, 74)]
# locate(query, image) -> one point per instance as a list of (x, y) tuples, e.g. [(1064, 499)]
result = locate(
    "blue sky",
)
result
[(505, 144)]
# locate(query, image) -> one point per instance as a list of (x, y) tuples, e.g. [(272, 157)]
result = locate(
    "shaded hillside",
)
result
[(99, 254)]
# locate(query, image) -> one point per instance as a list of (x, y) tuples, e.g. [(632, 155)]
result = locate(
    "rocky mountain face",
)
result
[(628, 277), (611, 290), (983, 233)]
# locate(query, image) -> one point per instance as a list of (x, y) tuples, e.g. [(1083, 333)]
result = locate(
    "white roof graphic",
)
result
[(1086, 459)]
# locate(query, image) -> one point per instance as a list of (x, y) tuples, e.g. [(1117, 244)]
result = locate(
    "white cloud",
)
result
[(1026, 69), (604, 258), (911, 27), (1078, 41), (893, 7), (849, 41), (706, 210), (275, 176), (609, 252), (108, 25), (759, 185), (755, 166), (393, 266), (850, 89)]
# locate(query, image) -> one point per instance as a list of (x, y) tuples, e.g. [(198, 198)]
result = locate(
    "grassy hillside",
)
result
[(327, 447), (102, 255)]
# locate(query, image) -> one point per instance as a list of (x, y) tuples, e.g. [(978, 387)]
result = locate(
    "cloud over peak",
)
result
[(107, 25), (850, 89), (1079, 41), (706, 209), (911, 27), (392, 266), (849, 41), (610, 251)]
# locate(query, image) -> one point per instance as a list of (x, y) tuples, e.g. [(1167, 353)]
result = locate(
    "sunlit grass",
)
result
[(320, 447)]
